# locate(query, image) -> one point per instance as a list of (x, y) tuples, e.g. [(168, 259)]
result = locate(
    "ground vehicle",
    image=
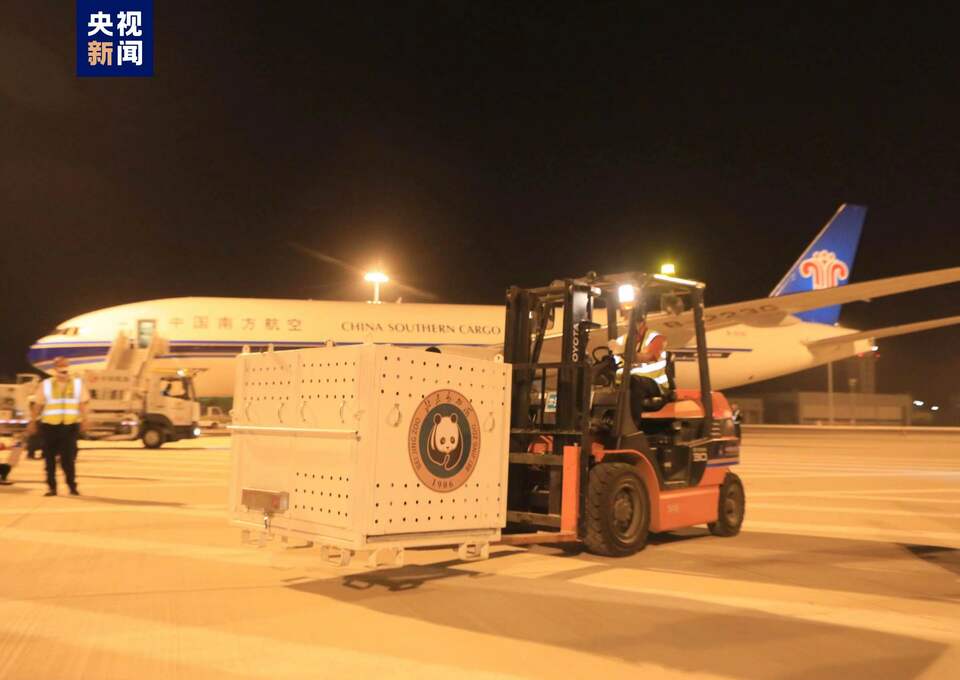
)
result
[(214, 418), (15, 402), (583, 468), (131, 399), (366, 449)]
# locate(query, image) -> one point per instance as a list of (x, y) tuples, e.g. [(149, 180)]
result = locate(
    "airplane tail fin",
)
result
[(827, 262)]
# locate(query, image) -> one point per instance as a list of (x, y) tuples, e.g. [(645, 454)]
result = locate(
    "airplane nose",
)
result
[(37, 353)]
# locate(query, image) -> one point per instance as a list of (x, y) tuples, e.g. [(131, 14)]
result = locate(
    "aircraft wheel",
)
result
[(618, 510), (153, 437), (732, 506)]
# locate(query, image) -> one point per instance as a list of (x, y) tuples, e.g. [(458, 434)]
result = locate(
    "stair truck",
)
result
[(132, 399), (367, 450)]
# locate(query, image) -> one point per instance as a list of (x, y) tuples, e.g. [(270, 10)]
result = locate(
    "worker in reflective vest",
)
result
[(649, 372), (60, 406)]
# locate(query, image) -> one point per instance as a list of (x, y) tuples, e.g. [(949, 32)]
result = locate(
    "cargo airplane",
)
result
[(792, 329)]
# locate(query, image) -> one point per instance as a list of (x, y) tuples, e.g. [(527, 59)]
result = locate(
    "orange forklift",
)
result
[(593, 457)]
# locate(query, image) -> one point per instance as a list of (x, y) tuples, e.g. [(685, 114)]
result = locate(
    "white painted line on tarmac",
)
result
[(86, 508), (862, 463), (801, 474), (945, 539), (900, 489), (208, 650), (814, 507), (139, 484), (98, 541), (899, 616), (86, 483), (854, 496)]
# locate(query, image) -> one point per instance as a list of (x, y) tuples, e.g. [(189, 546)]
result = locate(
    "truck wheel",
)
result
[(153, 437), (617, 510), (731, 507)]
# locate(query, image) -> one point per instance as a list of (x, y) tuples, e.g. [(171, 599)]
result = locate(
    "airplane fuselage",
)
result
[(207, 333)]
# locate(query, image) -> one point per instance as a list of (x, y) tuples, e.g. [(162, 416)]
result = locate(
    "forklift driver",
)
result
[(649, 374)]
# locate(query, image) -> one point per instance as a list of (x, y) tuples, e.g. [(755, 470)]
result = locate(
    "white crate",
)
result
[(339, 439)]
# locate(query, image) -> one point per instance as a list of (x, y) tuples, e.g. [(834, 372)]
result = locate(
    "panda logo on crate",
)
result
[(444, 440), (445, 445)]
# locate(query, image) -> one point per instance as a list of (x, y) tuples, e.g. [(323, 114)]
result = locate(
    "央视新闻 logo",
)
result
[(444, 440), (114, 38)]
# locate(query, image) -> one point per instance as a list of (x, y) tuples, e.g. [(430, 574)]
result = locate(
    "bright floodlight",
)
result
[(376, 278), (668, 268), (626, 293), (934, 408), (918, 402)]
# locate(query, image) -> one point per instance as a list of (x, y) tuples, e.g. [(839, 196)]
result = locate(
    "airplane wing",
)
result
[(770, 311), (887, 332)]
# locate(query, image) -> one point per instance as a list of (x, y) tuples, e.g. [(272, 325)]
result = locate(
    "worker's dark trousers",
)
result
[(60, 440), (641, 388)]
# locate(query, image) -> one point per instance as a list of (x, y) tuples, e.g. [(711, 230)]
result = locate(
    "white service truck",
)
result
[(131, 399), (155, 407)]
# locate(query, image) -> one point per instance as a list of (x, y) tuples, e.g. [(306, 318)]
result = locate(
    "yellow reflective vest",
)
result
[(655, 370), (61, 401)]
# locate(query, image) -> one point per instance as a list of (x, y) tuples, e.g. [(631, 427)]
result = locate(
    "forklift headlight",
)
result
[(626, 294)]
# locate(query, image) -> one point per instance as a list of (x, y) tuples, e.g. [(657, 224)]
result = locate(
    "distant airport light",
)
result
[(918, 402), (376, 278), (626, 294), (668, 268), (934, 408)]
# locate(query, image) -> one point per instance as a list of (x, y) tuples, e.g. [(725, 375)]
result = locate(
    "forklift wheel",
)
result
[(617, 512), (153, 438), (731, 508)]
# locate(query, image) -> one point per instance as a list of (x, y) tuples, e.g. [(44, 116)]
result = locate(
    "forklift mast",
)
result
[(528, 314)]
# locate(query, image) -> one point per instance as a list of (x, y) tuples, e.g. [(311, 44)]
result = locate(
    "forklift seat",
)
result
[(654, 399)]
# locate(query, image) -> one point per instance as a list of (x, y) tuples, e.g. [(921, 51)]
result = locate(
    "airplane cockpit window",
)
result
[(65, 330)]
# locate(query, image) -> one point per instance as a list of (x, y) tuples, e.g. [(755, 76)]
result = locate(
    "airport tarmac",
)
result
[(848, 567)]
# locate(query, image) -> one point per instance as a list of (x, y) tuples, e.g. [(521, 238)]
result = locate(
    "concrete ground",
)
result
[(848, 567)]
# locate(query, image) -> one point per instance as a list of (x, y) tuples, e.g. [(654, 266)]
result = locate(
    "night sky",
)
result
[(470, 146)]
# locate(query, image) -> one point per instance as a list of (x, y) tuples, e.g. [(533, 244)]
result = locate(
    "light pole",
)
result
[(830, 392), (852, 383)]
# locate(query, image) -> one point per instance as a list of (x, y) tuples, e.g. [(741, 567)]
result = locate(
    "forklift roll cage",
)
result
[(528, 314)]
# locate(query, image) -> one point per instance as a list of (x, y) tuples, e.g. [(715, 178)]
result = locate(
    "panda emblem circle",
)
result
[(444, 440)]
